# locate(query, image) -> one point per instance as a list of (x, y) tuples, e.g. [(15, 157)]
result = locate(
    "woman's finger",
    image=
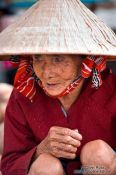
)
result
[(59, 153), (64, 147), (65, 139), (66, 131)]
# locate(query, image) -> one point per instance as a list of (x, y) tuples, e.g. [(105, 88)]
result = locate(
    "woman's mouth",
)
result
[(51, 85)]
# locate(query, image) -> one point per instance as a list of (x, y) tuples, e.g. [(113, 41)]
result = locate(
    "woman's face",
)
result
[(56, 72)]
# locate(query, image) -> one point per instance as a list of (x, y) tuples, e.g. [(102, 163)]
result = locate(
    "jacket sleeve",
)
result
[(19, 143)]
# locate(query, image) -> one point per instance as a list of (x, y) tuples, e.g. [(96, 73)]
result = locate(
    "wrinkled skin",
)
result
[(56, 72)]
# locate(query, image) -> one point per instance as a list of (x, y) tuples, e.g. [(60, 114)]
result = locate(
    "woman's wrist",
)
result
[(39, 150)]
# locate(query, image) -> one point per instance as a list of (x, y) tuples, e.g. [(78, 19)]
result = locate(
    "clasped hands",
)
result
[(60, 142)]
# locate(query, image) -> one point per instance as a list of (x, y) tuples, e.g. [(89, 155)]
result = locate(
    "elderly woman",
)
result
[(61, 116), (68, 121)]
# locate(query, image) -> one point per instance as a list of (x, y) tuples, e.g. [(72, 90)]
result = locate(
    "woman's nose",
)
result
[(49, 70)]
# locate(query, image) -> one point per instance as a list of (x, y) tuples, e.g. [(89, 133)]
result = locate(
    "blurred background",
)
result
[(10, 10)]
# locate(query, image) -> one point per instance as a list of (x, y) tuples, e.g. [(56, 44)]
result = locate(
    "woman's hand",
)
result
[(60, 142)]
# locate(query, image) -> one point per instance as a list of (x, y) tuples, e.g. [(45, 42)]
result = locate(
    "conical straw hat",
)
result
[(58, 27)]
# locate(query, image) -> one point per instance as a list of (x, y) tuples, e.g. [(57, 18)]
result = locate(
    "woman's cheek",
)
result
[(37, 72)]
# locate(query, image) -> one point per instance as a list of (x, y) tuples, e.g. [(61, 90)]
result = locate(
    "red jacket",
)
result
[(26, 123)]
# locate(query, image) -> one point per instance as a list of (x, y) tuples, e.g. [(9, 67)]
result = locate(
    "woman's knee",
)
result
[(98, 153), (46, 164)]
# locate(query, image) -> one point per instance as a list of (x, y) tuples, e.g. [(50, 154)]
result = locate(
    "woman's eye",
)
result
[(58, 59), (38, 58)]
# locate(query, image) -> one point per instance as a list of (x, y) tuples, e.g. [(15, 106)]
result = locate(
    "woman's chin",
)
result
[(53, 93), (54, 89)]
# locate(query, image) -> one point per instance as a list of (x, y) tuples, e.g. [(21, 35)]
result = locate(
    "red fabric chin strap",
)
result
[(25, 78)]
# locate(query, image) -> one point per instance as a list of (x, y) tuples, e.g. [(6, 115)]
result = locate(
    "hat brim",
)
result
[(56, 27)]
